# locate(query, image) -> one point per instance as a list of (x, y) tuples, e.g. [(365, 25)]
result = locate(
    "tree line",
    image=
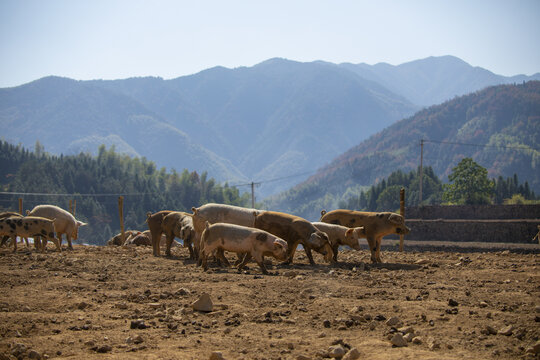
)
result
[(469, 185), (96, 182)]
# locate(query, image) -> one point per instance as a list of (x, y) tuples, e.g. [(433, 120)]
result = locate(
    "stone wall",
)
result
[(497, 223), (473, 212)]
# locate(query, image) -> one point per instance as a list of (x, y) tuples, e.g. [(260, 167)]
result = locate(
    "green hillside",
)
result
[(506, 118), (95, 183)]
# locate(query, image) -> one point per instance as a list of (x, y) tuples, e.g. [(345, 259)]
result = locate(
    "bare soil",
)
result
[(123, 303)]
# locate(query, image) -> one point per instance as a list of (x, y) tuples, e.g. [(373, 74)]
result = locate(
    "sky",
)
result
[(118, 39)]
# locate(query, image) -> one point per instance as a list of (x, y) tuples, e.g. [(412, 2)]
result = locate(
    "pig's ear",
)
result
[(277, 245), (396, 219), (349, 232)]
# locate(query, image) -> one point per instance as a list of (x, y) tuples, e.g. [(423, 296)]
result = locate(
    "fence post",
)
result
[(121, 212), (20, 207), (402, 212)]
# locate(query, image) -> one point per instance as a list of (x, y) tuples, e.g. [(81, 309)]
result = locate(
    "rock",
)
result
[(138, 324), (433, 344), (303, 357), (507, 330), (291, 273), (417, 340), (336, 351), (452, 302), (104, 349), (203, 304), (421, 262), (491, 330), (216, 355), (535, 349), (352, 354), (138, 339), (398, 340), (154, 305), (33, 354), (406, 330), (326, 323), (182, 292), (82, 305), (18, 350), (409, 337), (393, 321), (483, 304)]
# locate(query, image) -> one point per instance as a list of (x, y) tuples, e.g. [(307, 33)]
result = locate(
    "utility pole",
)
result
[(253, 184), (421, 169), (252, 195)]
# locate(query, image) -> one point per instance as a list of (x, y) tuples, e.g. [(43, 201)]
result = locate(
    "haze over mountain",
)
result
[(506, 118), (275, 119)]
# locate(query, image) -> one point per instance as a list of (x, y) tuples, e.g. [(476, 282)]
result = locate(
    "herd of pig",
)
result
[(213, 229)]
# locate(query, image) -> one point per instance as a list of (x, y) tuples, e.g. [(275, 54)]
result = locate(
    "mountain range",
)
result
[(271, 121)]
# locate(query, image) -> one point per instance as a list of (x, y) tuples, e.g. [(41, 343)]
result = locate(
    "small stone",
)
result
[(352, 354), (491, 330), (154, 305), (433, 344), (409, 337), (138, 339), (82, 305), (452, 302), (393, 321), (138, 324), (483, 304), (104, 349), (398, 340), (406, 330), (373, 325), (291, 273), (303, 357), (203, 304), (336, 351), (327, 323), (507, 330), (182, 292), (417, 340), (33, 354), (216, 355)]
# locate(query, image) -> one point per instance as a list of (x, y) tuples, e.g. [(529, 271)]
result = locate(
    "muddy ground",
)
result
[(123, 303)]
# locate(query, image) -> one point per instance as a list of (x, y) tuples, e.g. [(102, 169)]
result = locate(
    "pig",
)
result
[(376, 226), (64, 222), (214, 213), (7, 214), (179, 224), (341, 235), (29, 226), (241, 239), (117, 239), (154, 225), (295, 230)]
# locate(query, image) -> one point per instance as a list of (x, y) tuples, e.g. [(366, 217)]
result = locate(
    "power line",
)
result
[(479, 145)]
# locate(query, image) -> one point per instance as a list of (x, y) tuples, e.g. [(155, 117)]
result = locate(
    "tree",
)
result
[(469, 184)]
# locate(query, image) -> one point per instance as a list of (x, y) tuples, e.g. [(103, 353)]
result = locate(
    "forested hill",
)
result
[(95, 183), (506, 118)]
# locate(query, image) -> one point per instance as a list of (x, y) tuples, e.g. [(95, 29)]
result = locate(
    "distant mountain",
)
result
[(270, 121), (68, 117), (433, 80), (506, 118)]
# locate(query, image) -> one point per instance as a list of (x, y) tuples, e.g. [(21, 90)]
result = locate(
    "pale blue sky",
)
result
[(116, 39)]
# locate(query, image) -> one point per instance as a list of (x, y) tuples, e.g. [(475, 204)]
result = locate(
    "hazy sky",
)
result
[(115, 39)]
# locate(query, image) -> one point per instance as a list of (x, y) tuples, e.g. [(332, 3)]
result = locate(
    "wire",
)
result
[(479, 145)]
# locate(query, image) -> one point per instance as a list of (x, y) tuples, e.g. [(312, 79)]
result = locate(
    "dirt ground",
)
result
[(123, 303)]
